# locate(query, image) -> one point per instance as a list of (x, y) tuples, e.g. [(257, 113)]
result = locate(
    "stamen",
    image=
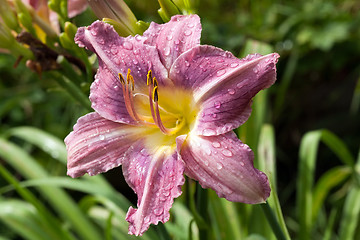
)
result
[(149, 78)]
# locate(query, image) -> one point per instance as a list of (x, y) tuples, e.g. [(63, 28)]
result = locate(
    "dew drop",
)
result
[(239, 85), (206, 162), (177, 42), (167, 51), (187, 63), (242, 164), (208, 151), (190, 25), (234, 65), (101, 41), (169, 37), (114, 50), (93, 32), (138, 38), (219, 166), (147, 219), (231, 91), (256, 70), (217, 104), (216, 144), (136, 52), (220, 72), (128, 45), (187, 33), (101, 137), (158, 211), (135, 61), (227, 153), (214, 115), (116, 87), (220, 60), (208, 132)]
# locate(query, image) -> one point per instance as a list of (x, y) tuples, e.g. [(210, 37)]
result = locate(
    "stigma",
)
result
[(153, 121)]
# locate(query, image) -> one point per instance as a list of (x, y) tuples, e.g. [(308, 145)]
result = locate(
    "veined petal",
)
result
[(180, 34), (223, 85), (117, 55), (224, 164), (156, 178), (97, 145)]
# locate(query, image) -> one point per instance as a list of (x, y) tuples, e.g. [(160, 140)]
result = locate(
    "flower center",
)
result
[(172, 114)]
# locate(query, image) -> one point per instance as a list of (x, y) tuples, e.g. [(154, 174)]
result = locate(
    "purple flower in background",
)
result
[(164, 106)]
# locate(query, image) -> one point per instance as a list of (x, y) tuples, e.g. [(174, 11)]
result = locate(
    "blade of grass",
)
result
[(350, 217), (23, 218), (266, 160), (328, 180), (62, 203), (307, 160), (52, 225)]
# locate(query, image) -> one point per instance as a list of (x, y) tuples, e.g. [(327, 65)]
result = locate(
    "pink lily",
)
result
[(164, 106)]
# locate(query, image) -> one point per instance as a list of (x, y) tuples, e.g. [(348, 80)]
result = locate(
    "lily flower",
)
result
[(164, 106)]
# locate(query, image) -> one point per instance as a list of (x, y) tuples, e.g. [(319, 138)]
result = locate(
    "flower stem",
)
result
[(272, 220), (202, 208)]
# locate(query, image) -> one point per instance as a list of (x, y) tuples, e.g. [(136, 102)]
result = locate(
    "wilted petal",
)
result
[(117, 55), (156, 179), (97, 145), (223, 85), (224, 164), (180, 34), (76, 7)]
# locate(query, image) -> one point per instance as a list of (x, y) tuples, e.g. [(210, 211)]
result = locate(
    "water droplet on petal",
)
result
[(128, 45), (158, 211), (242, 164), (220, 72), (217, 104), (187, 63), (136, 52), (227, 153), (177, 42), (187, 33), (101, 137), (214, 115), (93, 32), (190, 25), (167, 51), (208, 151), (216, 144), (147, 219), (231, 91), (169, 37), (135, 61), (220, 60), (256, 70), (208, 132), (114, 50), (219, 166), (234, 65), (206, 162), (138, 38)]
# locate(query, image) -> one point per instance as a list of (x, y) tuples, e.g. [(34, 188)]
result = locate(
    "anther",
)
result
[(155, 94), (149, 78), (121, 78)]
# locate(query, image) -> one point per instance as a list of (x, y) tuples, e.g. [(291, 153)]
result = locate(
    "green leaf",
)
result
[(350, 217), (23, 218), (58, 199), (43, 140), (307, 155)]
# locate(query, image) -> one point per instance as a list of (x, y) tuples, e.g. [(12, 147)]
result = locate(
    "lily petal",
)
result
[(224, 164), (75, 7), (116, 55), (97, 145), (177, 36), (156, 179), (223, 85)]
